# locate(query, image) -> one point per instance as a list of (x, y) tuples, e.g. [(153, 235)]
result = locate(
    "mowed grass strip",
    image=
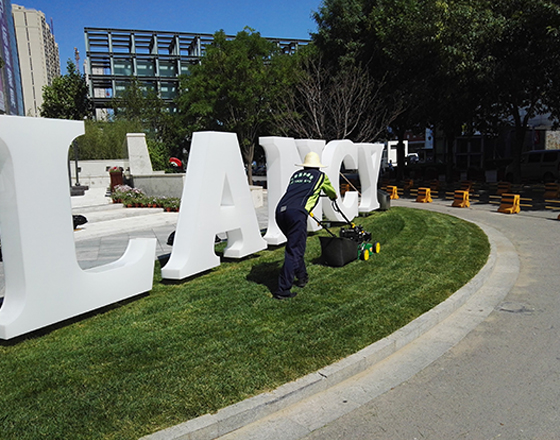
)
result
[(192, 348)]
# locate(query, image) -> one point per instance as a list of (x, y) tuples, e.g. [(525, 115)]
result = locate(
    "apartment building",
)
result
[(38, 56)]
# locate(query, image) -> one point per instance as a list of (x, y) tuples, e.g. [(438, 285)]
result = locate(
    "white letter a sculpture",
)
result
[(216, 198), (44, 283)]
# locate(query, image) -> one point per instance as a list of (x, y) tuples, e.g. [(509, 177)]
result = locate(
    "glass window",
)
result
[(185, 69), (168, 90), (534, 158), (550, 156), (462, 146), (462, 161), (120, 87), (167, 69), (476, 146), (145, 67), (123, 67)]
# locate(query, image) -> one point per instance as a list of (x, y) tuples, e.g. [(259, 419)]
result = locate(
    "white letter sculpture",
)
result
[(216, 198), (282, 156), (369, 162), (317, 146), (44, 283), (335, 153)]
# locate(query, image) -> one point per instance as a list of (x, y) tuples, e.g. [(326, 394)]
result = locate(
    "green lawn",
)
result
[(192, 348)]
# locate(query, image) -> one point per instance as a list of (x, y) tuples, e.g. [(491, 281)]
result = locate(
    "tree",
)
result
[(388, 37), (456, 63), (67, 97), (141, 106), (525, 62), (234, 88), (105, 139), (462, 31), (329, 103)]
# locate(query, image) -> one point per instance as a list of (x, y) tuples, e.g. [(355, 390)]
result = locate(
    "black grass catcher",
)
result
[(352, 243)]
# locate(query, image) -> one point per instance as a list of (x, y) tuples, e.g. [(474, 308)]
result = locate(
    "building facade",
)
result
[(38, 56), (11, 98), (115, 56)]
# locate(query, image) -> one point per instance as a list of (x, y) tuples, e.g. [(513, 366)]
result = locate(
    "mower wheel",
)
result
[(376, 247), (365, 255)]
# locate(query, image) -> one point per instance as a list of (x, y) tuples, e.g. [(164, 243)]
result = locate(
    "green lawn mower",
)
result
[(351, 244)]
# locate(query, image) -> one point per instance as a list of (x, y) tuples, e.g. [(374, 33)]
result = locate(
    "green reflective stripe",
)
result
[(329, 188), (314, 198)]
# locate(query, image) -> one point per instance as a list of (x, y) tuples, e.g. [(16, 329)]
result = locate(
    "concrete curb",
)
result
[(493, 282)]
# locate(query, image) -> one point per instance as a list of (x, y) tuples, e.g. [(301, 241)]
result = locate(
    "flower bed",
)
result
[(135, 198)]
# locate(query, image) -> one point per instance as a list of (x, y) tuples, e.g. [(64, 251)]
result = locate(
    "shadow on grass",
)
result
[(265, 274)]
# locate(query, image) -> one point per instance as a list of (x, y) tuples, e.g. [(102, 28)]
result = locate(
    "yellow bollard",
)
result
[(424, 195), (392, 190), (461, 199), (510, 204)]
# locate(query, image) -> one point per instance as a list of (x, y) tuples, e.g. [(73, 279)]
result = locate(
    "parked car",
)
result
[(538, 165)]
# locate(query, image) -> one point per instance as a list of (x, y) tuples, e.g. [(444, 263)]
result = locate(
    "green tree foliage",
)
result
[(141, 107), (391, 39), (456, 63), (105, 140), (525, 62), (234, 88), (328, 102), (67, 97)]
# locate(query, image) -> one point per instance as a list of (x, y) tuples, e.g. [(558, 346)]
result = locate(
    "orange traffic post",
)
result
[(461, 199), (392, 190), (510, 204), (551, 191), (424, 195)]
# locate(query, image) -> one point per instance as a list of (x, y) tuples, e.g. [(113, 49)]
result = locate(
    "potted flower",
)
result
[(116, 175)]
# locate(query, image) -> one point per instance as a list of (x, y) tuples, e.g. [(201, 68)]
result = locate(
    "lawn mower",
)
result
[(351, 244)]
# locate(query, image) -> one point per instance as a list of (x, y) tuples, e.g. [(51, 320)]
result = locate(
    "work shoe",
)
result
[(302, 283), (284, 295)]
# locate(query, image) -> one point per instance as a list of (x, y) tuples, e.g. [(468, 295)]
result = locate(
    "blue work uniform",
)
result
[(291, 216)]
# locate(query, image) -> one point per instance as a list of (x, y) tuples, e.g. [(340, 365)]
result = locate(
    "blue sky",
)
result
[(280, 18)]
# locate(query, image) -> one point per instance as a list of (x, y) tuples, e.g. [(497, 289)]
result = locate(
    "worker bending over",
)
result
[(291, 216)]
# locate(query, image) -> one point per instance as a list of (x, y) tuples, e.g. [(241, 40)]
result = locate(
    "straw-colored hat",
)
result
[(312, 160)]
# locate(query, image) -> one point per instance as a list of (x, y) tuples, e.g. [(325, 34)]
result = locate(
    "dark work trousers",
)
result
[(293, 224)]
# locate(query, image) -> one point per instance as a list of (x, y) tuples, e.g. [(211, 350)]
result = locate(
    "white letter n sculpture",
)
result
[(44, 283)]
